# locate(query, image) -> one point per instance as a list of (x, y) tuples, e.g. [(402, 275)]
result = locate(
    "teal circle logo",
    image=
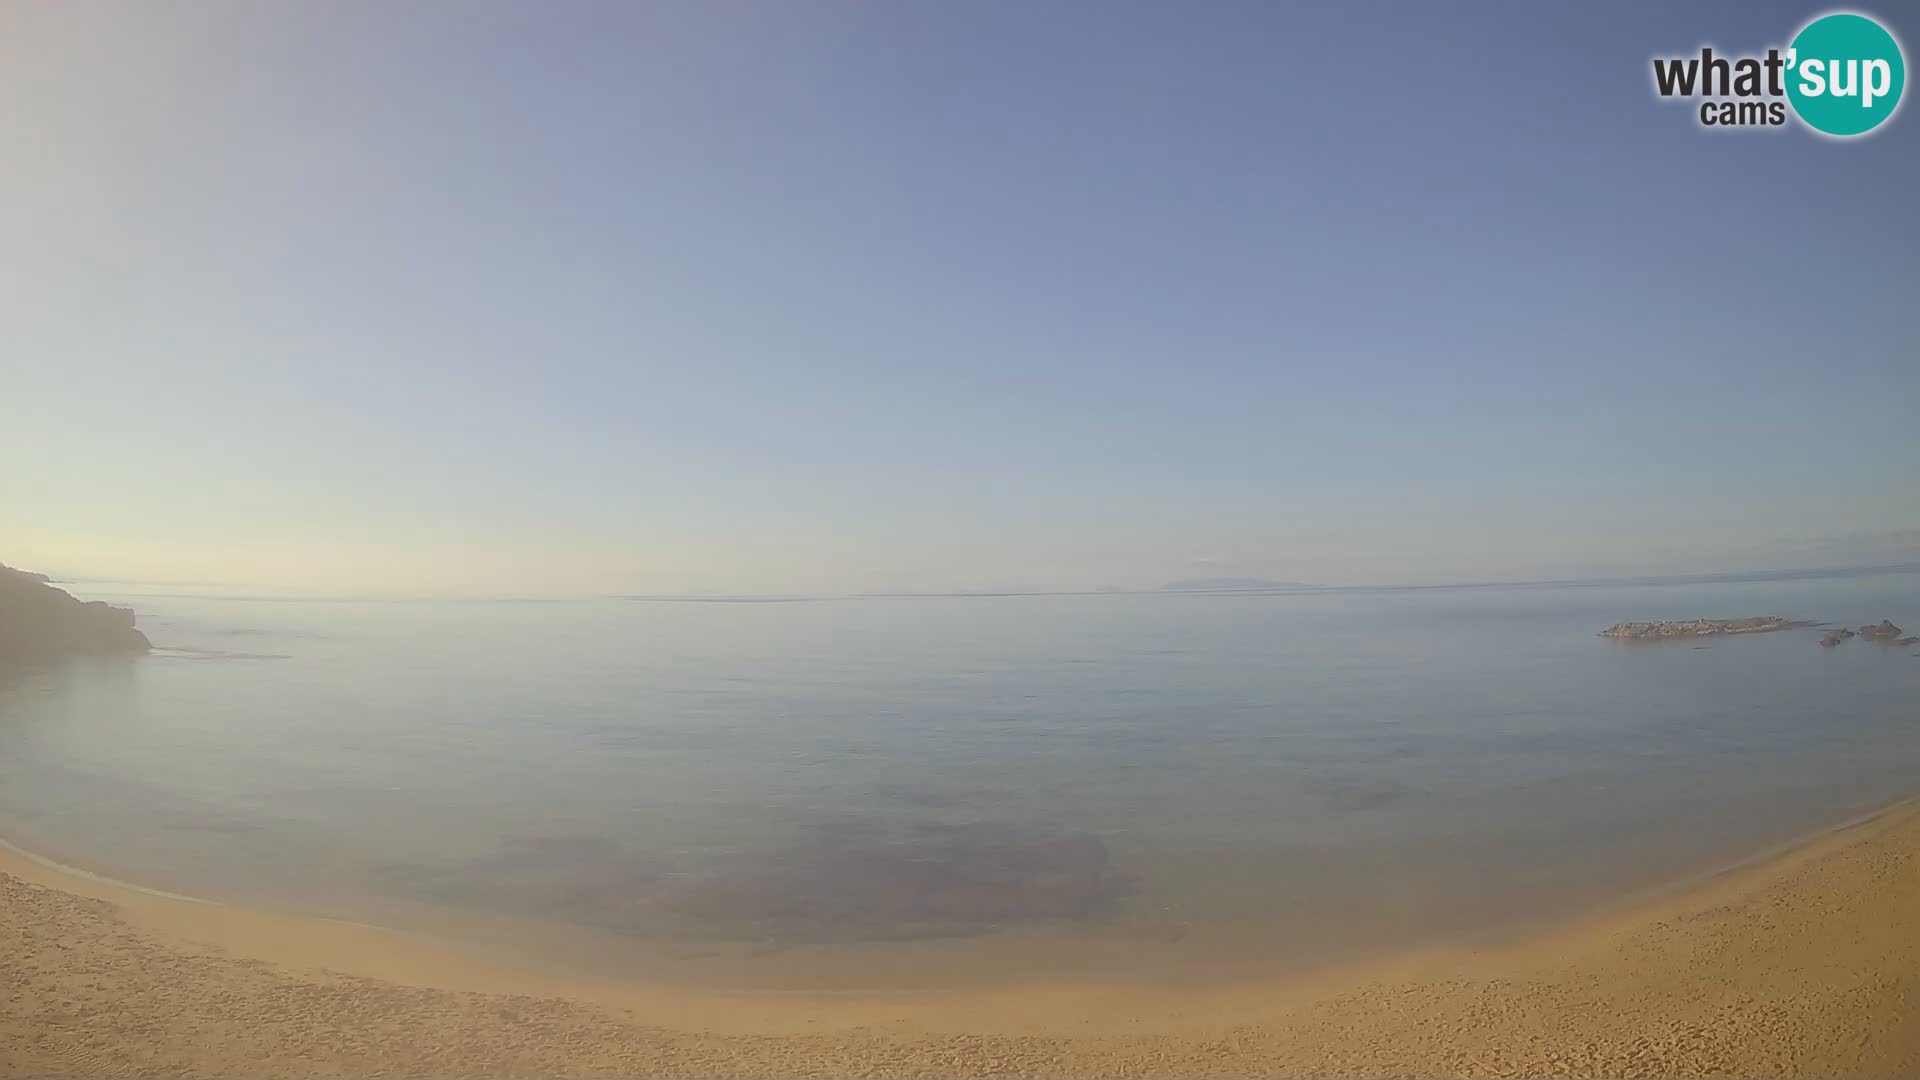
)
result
[(1845, 73)]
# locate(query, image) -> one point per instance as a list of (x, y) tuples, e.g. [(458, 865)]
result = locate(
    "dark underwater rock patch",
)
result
[(848, 881), (924, 881)]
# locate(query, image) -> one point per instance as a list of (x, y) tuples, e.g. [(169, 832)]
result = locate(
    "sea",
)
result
[(833, 792)]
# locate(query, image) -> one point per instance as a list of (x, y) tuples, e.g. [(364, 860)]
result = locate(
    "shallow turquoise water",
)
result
[(891, 768)]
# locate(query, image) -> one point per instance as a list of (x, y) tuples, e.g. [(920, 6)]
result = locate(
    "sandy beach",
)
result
[(1806, 963)]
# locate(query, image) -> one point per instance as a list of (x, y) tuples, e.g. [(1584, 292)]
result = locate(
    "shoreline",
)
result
[(1802, 960), (1198, 956)]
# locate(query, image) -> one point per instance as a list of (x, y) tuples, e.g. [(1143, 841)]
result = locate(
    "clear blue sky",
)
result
[(797, 297)]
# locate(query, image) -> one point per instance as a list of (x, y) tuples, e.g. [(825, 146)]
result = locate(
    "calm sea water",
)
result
[(1368, 765)]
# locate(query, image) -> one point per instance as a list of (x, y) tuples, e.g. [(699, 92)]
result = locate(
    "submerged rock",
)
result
[(1886, 631), (925, 882), (1663, 629), (1908, 641), (865, 879), (38, 621)]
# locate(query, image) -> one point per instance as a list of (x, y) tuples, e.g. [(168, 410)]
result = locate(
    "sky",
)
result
[(756, 297)]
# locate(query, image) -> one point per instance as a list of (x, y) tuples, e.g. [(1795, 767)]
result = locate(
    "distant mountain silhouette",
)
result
[(1231, 584)]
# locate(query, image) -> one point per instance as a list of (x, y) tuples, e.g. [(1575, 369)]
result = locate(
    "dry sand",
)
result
[(1807, 964)]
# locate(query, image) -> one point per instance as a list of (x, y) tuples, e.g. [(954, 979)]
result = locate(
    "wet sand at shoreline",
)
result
[(1804, 964)]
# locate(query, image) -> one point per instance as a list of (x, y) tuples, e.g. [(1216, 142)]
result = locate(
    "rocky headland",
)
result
[(38, 621), (1670, 629), (1666, 629)]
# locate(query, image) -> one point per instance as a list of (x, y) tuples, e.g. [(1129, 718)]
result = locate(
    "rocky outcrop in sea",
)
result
[(1664, 629), (1883, 631)]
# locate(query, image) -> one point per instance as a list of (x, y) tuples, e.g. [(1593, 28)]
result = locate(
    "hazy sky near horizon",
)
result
[(802, 297)]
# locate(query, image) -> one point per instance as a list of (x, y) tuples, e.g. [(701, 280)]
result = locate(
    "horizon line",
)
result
[(1695, 578)]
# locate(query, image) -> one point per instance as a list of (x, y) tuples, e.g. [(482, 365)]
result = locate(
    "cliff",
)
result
[(38, 620)]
